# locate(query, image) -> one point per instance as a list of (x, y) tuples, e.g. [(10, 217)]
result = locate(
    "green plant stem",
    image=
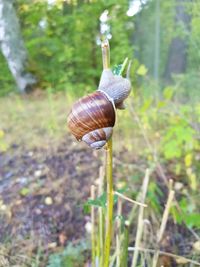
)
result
[(118, 235), (101, 236), (124, 259), (110, 201), (105, 54), (93, 228), (101, 216), (109, 212)]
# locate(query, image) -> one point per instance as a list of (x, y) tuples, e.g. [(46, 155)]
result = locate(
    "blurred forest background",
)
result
[(50, 55)]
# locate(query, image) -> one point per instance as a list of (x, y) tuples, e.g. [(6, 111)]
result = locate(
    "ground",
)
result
[(43, 192), (45, 177)]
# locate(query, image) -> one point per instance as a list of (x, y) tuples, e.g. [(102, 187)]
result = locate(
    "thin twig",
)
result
[(140, 219), (129, 165), (166, 212), (163, 223), (163, 253), (101, 215), (133, 211), (129, 199), (118, 235), (124, 258), (150, 147)]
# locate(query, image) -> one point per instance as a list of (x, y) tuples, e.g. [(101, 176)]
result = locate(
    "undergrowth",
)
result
[(161, 133)]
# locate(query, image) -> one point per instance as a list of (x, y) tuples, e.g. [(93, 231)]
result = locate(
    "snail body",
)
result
[(116, 87), (92, 117)]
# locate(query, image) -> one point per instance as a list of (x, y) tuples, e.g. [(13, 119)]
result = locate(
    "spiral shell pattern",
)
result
[(89, 117)]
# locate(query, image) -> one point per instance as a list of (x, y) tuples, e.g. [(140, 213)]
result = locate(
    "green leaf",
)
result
[(98, 202), (168, 93), (142, 70), (117, 69), (153, 195), (172, 150), (86, 208), (192, 220), (71, 256), (161, 104)]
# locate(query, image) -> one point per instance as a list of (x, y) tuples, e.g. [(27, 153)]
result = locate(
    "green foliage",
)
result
[(72, 256), (101, 200), (194, 41), (179, 137), (7, 84), (61, 40), (98, 202), (187, 86), (189, 214), (154, 193), (144, 35)]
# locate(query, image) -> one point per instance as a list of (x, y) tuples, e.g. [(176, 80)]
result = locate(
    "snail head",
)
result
[(115, 87)]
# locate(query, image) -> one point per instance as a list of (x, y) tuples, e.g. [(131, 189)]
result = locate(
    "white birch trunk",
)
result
[(12, 46)]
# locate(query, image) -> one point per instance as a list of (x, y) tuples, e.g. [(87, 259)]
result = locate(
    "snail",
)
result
[(92, 117)]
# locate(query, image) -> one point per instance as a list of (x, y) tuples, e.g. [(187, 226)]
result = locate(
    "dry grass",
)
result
[(33, 120), (40, 119)]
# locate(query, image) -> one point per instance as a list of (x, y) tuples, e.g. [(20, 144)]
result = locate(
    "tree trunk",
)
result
[(177, 59), (12, 46)]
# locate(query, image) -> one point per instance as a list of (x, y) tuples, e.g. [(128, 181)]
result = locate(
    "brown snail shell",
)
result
[(92, 118)]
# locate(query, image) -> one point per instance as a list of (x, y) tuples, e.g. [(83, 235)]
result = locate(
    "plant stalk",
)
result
[(110, 201), (101, 216), (105, 54), (118, 235), (140, 224), (109, 179), (93, 228), (163, 222), (124, 259)]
